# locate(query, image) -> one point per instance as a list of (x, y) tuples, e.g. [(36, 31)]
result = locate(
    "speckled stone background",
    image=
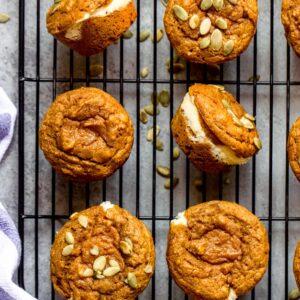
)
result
[(41, 287)]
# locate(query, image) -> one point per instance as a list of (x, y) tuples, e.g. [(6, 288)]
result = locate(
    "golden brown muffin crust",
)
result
[(223, 246), (241, 20), (294, 148), (290, 17), (105, 230), (296, 264), (86, 134)]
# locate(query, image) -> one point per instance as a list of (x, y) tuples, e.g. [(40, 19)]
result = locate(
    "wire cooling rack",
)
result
[(265, 79)]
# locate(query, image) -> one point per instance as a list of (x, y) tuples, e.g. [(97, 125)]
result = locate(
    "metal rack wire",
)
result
[(153, 217)]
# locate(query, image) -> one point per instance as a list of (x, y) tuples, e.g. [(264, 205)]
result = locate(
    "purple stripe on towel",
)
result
[(8, 228), (4, 295), (5, 122)]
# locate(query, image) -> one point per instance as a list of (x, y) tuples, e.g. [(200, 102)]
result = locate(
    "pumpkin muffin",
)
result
[(213, 129), (297, 264), (294, 148), (210, 31), (86, 134), (102, 253), (89, 26), (290, 15), (217, 250)]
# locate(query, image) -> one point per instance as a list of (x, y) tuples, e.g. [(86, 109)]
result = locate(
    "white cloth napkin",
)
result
[(8, 113)]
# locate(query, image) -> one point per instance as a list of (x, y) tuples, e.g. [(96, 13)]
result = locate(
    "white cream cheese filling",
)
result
[(180, 219), (221, 152), (106, 205), (232, 295)]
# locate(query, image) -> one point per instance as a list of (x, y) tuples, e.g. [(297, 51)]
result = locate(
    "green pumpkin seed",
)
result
[(69, 238), (167, 183), (83, 221), (96, 70), (143, 117), (159, 35), (126, 246), (163, 171), (206, 4), (73, 215), (111, 271), (204, 43), (87, 272), (4, 18), (177, 68), (226, 104), (164, 2), (216, 39), (198, 183), (150, 133), (144, 35), (218, 4), (113, 263), (249, 117), (176, 59), (254, 78), (132, 280), (164, 98), (95, 251), (180, 12), (159, 145), (176, 153), (247, 123), (149, 109), (148, 269), (233, 2), (99, 263), (127, 34), (221, 23), (205, 26), (67, 250), (145, 72), (294, 294), (228, 47), (257, 143), (194, 21)]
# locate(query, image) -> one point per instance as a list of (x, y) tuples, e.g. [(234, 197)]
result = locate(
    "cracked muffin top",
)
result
[(86, 134), (210, 31), (294, 148), (102, 253), (217, 250)]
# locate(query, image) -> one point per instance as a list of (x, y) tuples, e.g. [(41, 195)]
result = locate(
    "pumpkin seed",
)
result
[(148, 269), (159, 145), (218, 4), (228, 47), (216, 39), (159, 35), (144, 72), (226, 104), (99, 263), (249, 117), (83, 221), (126, 246), (96, 70), (164, 2), (164, 98), (153, 98), (227, 181), (194, 21), (205, 42), (149, 109), (233, 2), (177, 68), (235, 119), (180, 12), (132, 280), (67, 250), (150, 133), (87, 272), (111, 271), (205, 26), (221, 23), (176, 59), (99, 275), (206, 4), (257, 143), (73, 215), (246, 123), (4, 18), (294, 294), (127, 34), (113, 263), (144, 35), (218, 86), (254, 78), (167, 183), (69, 238), (143, 117), (163, 171), (198, 183), (95, 251), (176, 153)]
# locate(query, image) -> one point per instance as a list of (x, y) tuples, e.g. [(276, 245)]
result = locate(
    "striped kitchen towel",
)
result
[(10, 251)]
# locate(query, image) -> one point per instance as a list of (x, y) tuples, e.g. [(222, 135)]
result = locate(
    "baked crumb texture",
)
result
[(294, 148)]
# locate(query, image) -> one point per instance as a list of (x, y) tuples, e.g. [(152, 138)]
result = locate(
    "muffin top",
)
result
[(86, 134), (294, 148), (217, 250), (102, 253), (210, 31), (296, 264)]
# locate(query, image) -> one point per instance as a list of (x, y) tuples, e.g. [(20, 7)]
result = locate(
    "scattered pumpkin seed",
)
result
[(167, 183), (227, 181), (221, 23), (163, 171), (149, 109), (4, 18), (69, 238), (176, 59), (205, 26), (204, 43), (67, 250), (228, 47), (111, 271), (99, 263), (145, 72), (150, 133), (246, 123), (127, 34), (216, 39), (180, 12), (164, 98), (254, 78), (177, 68), (194, 21), (148, 269), (233, 2), (73, 215), (159, 145), (95, 251), (159, 35), (96, 70), (99, 276), (235, 119), (218, 86), (206, 4), (83, 221), (257, 143), (132, 280), (126, 246), (226, 104), (218, 4), (143, 117), (144, 35), (87, 272), (249, 117), (164, 2), (113, 263), (294, 294), (198, 183), (176, 153), (153, 98)]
